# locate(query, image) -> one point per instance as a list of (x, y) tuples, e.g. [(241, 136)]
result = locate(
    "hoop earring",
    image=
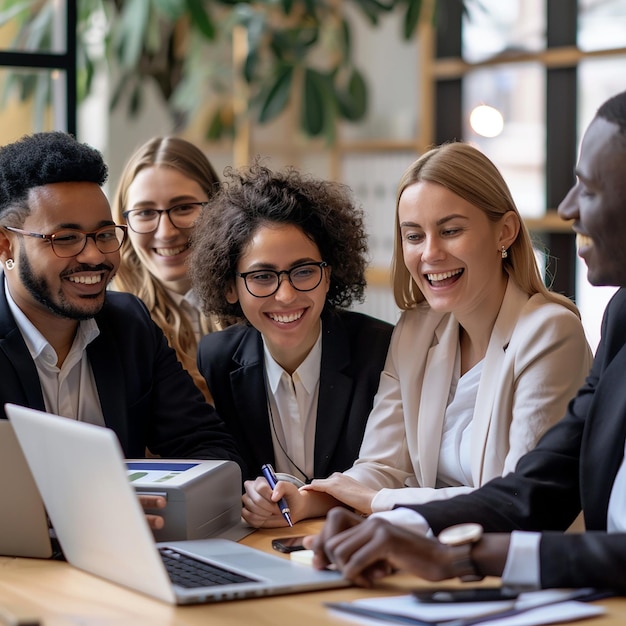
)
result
[(504, 252), (9, 264)]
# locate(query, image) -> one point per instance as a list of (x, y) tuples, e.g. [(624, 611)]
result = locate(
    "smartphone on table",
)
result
[(469, 594), (288, 544)]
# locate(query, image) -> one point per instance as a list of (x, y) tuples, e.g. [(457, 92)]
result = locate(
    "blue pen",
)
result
[(268, 472)]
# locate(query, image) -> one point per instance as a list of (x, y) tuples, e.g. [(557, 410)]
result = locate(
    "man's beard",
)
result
[(39, 289)]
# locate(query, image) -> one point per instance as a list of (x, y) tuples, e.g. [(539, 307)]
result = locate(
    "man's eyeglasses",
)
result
[(70, 242), (264, 283), (145, 221)]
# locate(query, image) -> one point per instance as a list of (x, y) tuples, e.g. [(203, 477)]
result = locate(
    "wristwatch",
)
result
[(461, 539)]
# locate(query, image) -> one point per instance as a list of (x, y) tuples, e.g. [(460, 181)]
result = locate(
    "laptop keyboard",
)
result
[(188, 572)]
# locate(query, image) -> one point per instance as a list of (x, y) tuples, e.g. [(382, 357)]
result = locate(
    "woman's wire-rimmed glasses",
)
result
[(70, 242), (265, 283), (146, 221)]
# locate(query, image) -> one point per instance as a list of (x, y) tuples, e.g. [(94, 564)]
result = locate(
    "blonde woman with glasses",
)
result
[(162, 191)]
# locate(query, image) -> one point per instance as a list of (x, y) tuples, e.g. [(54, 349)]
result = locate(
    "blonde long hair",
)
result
[(469, 174), (134, 277)]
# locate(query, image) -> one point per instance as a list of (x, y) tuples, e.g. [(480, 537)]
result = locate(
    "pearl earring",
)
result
[(505, 252), (9, 264)]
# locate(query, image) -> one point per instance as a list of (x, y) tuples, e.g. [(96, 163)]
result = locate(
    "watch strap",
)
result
[(463, 566)]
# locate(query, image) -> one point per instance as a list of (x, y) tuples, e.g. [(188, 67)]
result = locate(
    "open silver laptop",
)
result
[(80, 471), (23, 522)]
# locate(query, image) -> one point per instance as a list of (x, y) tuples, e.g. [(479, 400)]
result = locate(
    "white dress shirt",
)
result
[(455, 452), (292, 405), (69, 391)]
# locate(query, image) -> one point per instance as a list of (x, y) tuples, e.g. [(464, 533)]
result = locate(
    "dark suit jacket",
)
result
[(146, 396), (354, 347), (573, 466)]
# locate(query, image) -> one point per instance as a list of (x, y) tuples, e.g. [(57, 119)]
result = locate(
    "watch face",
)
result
[(460, 534)]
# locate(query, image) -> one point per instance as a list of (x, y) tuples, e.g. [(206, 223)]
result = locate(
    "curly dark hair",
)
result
[(43, 159), (254, 196)]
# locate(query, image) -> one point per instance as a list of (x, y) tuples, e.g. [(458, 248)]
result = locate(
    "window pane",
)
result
[(493, 27), (31, 101), (598, 80), (44, 31), (391, 76), (374, 178), (601, 25), (517, 92)]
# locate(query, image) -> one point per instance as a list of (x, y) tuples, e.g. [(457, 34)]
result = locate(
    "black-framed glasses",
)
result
[(69, 242), (145, 221), (265, 283)]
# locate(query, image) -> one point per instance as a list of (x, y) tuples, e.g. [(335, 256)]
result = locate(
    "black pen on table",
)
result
[(268, 472)]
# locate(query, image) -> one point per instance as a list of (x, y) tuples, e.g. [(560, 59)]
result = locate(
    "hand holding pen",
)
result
[(270, 476)]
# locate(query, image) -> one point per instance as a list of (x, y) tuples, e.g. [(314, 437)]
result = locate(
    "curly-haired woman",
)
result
[(286, 254)]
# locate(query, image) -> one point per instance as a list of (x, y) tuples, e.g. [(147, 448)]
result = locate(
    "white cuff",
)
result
[(406, 518), (522, 561)]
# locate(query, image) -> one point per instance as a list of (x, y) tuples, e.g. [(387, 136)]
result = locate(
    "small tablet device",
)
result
[(469, 594), (288, 544)]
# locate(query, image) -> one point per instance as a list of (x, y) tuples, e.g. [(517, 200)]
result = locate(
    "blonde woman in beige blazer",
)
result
[(536, 360), (482, 362)]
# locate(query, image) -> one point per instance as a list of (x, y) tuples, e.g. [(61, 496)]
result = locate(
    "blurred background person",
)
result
[(161, 192)]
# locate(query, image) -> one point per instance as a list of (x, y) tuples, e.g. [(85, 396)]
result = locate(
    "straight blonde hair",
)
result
[(468, 173)]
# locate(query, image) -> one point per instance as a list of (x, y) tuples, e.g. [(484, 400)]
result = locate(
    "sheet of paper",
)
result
[(409, 607)]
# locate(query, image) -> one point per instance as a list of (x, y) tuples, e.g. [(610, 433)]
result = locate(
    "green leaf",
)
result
[(171, 9), (372, 9), (214, 131), (250, 65), (277, 95), (352, 102), (40, 29), (314, 101), (346, 40), (201, 18), (152, 36), (28, 84), (411, 17), (14, 11), (255, 25), (135, 102), (129, 34), (310, 7), (41, 98), (84, 78), (118, 92)]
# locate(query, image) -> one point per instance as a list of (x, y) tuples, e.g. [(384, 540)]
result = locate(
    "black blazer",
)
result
[(574, 465), (354, 347), (146, 396)]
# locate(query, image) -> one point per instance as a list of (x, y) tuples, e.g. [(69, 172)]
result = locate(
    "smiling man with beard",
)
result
[(67, 346)]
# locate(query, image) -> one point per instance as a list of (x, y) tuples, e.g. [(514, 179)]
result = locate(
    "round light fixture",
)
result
[(486, 121)]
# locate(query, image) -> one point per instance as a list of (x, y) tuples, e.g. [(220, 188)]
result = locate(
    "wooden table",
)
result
[(61, 595)]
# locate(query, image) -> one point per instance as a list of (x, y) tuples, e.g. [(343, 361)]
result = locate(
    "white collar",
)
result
[(308, 372), (35, 342)]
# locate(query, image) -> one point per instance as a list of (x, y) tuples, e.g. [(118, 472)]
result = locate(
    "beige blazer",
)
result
[(535, 362)]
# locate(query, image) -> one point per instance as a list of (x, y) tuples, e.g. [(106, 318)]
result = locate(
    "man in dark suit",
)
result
[(578, 465), (68, 346)]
